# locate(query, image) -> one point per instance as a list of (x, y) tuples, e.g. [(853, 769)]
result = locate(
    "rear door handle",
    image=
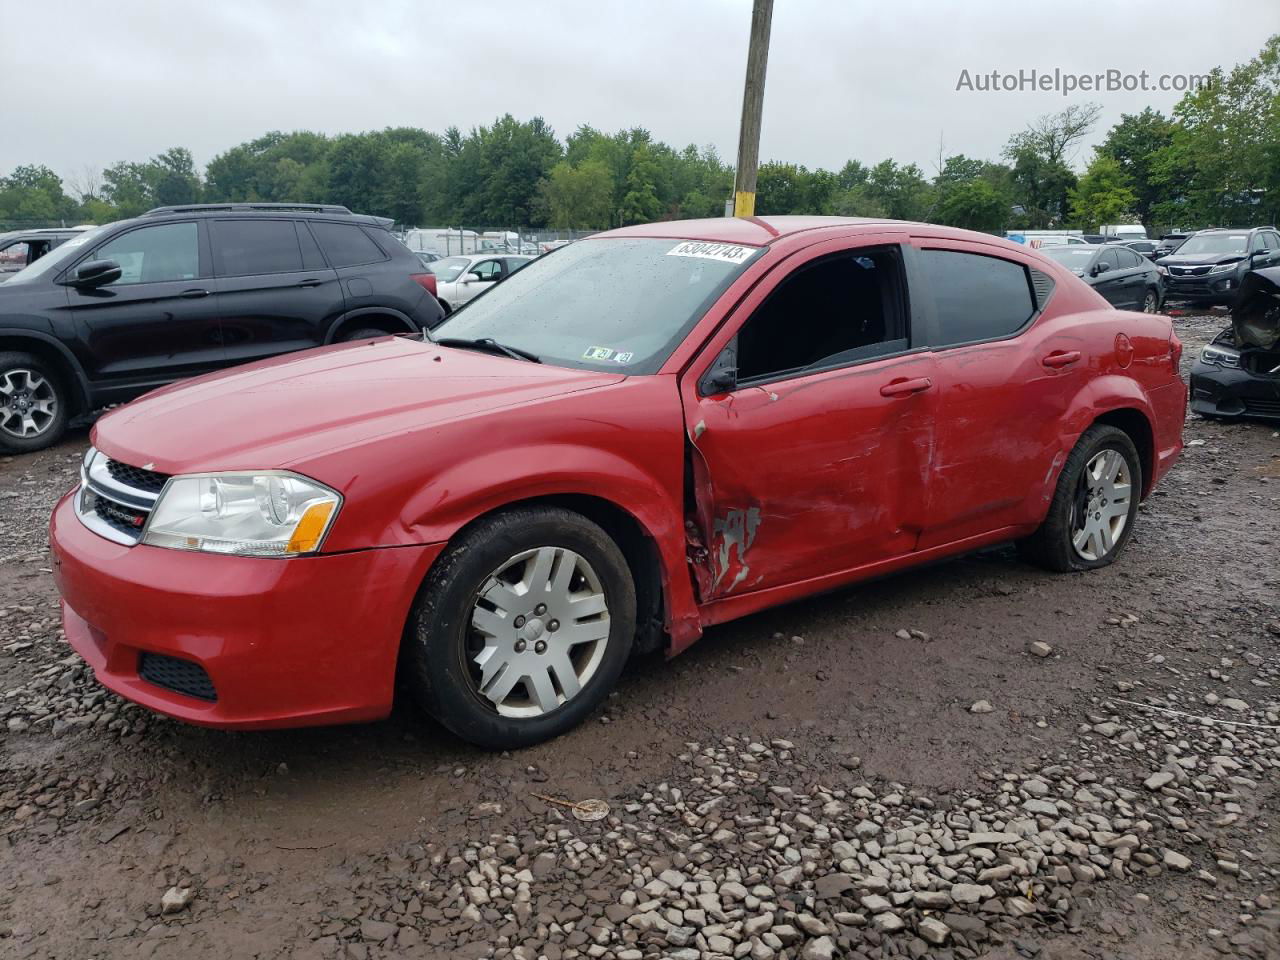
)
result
[(1061, 358), (313, 282), (194, 294), (904, 388)]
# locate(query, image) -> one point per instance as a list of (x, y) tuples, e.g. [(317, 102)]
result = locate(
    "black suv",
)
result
[(21, 248), (121, 309), (1210, 265)]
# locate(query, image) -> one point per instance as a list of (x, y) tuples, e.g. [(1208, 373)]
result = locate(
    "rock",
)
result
[(1158, 780), (933, 930), (176, 899), (824, 948), (826, 887), (1043, 807), (971, 892), (876, 904), (887, 922), (812, 925), (377, 930), (1233, 703), (989, 839), (718, 943), (1039, 648), (1176, 861), (866, 828), (932, 899), (981, 706)]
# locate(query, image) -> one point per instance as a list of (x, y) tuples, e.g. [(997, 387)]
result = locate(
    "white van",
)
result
[(443, 241), (1123, 231)]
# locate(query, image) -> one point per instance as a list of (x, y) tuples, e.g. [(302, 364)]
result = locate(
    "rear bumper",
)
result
[(296, 642), (1218, 391)]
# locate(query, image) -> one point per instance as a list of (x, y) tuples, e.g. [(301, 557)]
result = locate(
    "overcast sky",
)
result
[(89, 84)]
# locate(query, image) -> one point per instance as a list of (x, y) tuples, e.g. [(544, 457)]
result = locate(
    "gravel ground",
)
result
[(974, 760)]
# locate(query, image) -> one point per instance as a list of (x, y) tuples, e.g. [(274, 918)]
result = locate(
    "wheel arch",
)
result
[(637, 544), (382, 318), (1137, 425), (58, 356)]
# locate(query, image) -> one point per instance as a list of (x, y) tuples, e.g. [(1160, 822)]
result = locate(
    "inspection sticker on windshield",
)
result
[(606, 354), (726, 252)]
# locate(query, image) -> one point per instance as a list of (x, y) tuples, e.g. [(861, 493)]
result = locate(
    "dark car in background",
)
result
[(1126, 279), (1170, 242), (1145, 248), (1238, 373), (21, 248), (120, 309), (1210, 267)]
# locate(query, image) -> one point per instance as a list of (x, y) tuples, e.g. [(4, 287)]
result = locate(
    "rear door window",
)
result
[(247, 248), (977, 297), (345, 244)]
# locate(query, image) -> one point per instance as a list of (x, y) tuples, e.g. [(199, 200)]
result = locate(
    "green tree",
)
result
[(1134, 143), (1041, 155), (578, 197), (1104, 194), (975, 205)]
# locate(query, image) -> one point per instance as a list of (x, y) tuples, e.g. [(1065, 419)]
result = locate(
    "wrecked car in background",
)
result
[(1238, 374), (633, 438)]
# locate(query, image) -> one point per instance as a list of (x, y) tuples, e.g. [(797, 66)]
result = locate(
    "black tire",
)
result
[(444, 305), (435, 661), (1051, 546), (364, 333), (1151, 299), (52, 389)]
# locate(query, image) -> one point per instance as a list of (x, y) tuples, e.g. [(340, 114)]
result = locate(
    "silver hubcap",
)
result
[(539, 628), (1102, 505), (1149, 305), (28, 404)]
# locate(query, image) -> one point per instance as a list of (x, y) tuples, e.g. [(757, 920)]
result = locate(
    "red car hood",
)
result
[(275, 413)]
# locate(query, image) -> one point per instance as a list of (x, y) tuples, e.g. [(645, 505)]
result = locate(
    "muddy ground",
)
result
[(802, 783)]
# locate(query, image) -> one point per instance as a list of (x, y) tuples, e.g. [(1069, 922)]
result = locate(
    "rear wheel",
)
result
[(1094, 505), (33, 403), (1151, 302), (522, 627)]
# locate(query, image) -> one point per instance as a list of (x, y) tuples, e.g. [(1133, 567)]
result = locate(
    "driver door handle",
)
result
[(1060, 358), (194, 293), (311, 282), (905, 388)]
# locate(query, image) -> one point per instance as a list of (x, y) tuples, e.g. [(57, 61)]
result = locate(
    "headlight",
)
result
[(1223, 268), (1223, 356), (268, 514)]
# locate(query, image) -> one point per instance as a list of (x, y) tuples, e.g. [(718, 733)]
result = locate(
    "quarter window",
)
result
[(165, 252), (345, 244), (488, 270), (835, 311), (248, 248), (977, 297)]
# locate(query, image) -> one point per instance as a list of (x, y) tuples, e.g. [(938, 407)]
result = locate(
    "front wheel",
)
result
[(1151, 302), (522, 627), (1094, 505), (33, 403)]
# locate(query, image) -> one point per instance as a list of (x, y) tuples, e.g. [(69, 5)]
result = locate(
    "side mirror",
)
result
[(472, 278), (96, 273), (1259, 253), (722, 377), (1099, 268)]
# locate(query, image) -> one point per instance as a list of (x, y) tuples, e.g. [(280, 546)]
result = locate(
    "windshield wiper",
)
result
[(490, 345)]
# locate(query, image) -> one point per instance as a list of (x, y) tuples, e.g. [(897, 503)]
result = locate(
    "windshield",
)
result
[(1075, 257), (1215, 243), (617, 303), (57, 258), (449, 269)]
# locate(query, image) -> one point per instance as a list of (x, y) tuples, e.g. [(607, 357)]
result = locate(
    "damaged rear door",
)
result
[(810, 423)]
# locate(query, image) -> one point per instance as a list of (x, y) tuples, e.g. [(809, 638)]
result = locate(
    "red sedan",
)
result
[(635, 437)]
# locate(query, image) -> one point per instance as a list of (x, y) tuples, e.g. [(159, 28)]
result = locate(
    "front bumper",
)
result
[(1218, 391), (284, 642), (1219, 289)]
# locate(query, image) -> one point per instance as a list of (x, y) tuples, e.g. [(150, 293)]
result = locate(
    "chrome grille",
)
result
[(116, 499)]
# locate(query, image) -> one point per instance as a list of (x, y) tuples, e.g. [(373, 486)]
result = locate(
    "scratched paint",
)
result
[(734, 534)]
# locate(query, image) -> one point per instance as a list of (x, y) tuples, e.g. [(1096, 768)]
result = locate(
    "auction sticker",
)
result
[(725, 252), (597, 353)]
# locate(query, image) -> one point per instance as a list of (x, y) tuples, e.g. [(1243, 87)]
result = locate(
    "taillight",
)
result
[(1175, 350), (427, 281)]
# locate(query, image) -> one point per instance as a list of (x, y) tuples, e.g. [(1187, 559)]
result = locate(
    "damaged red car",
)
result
[(636, 437)]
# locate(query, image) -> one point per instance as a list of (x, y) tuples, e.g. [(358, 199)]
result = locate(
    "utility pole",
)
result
[(744, 181)]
